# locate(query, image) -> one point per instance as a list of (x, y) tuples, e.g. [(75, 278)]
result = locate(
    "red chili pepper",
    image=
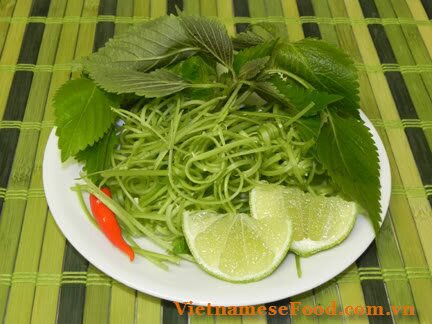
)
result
[(108, 223)]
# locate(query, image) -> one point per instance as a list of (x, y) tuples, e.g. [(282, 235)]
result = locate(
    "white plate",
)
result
[(187, 282)]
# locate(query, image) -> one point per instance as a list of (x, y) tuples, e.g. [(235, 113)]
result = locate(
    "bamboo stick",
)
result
[(97, 300), (418, 13), (11, 50), (403, 166), (290, 10), (409, 49), (122, 308), (45, 302), (191, 7), (148, 309), (157, 8), (5, 11), (13, 214), (208, 7), (225, 10), (305, 299)]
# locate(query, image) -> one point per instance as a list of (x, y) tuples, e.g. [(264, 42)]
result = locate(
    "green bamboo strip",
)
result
[(326, 295), (275, 9), (142, 8), (350, 293), (290, 10), (208, 7), (328, 32), (5, 11), (404, 213), (97, 300), (21, 297), (305, 299), (148, 309), (408, 47), (419, 92), (397, 291), (384, 100), (52, 236), (16, 217), (157, 8), (11, 51), (84, 45), (418, 12), (225, 10), (122, 308), (51, 261), (125, 9), (191, 7), (22, 20), (257, 8)]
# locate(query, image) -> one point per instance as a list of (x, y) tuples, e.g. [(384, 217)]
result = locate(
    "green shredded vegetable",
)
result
[(176, 155)]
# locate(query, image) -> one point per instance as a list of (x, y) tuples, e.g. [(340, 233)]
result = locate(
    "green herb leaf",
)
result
[(299, 97), (309, 128), (143, 47), (259, 33), (252, 53), (246, 39), (97, 157), (197, 71), (347, 151), (212, 36), (157, 83), (252, 68), (194, 69), (324, 66), (82, 115)]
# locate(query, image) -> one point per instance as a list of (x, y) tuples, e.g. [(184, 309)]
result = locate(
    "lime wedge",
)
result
[(237, 247), (319, 222)]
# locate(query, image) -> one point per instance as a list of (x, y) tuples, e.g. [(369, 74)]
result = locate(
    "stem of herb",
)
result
[(293, 76)]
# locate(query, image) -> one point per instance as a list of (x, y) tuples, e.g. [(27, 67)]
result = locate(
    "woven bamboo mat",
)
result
[(44, 280)]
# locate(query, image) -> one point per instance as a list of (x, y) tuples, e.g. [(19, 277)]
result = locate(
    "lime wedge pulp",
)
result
[(237, 247), (319, 222)]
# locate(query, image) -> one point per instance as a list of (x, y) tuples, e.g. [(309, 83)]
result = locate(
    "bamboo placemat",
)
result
[(44, 280)]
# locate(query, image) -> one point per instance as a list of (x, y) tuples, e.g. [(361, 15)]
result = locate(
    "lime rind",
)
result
[(307, 247)]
